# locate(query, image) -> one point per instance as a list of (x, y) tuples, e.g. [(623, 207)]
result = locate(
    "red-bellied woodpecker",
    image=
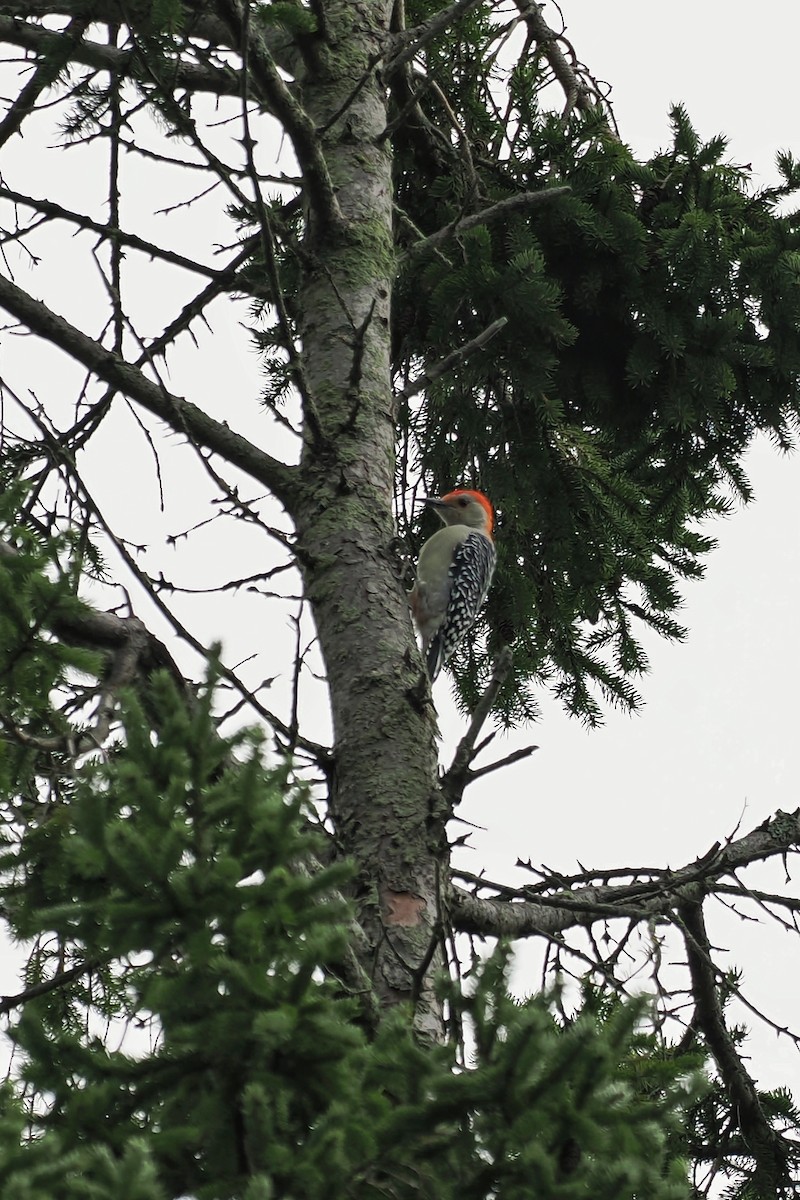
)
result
[(453, 574)]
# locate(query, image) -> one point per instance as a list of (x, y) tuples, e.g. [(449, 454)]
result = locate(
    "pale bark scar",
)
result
[(402, 908)]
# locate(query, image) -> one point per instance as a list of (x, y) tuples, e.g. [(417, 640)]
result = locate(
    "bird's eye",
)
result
[(463, 501)]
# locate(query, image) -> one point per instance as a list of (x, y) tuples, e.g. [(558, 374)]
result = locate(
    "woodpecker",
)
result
[(453, 574)]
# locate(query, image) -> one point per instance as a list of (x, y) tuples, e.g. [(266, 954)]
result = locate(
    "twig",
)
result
[(267, 239), (449, 361), (113, 204), (462, 138), (295, 120), (354, 389), (485, 217), (411, 41), (7, 1003), (46, 73), (348, 101), (181, 415), (454, 779), (514, 757)]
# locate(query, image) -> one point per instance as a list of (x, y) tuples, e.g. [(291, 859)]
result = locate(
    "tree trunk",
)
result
[(382, 799)]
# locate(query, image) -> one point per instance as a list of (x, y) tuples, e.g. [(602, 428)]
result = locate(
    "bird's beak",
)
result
[(434, 502)]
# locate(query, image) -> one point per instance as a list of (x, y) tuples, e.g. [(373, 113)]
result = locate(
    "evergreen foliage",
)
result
[(652, 330), (246, 1072), (38, 581)]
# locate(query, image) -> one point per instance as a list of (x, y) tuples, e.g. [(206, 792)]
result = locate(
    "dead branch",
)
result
[(55, 211), (485, 217), (450, 360), (521, 916), (767, 1147), (578, 95), (508, 760), (127, 64), (181, 415), (456, 777), (487, 917)]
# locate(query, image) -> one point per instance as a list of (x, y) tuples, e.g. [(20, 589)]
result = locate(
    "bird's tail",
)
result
[(434, 658)]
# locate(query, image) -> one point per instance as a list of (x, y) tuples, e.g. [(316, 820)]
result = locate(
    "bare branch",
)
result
[(180, 414), (578, 95), (411, 41), (455, 778), (51, 210), (200, 23), (449, 361), (125, 63), (485, 217), (498, 918), (521, 916), (767, 1147)]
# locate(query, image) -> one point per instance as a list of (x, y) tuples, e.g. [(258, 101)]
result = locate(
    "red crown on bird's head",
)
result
[(484, 502)]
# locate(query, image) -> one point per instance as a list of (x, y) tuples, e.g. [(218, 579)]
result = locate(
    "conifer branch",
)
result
[(181, 415), (411, 41), (95, 629), (127, 64), (7, 1003), (135, 650), (485, 217), (226, 275), (450, 360)]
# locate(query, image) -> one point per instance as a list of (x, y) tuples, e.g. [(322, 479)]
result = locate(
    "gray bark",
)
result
[(384, 726)]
